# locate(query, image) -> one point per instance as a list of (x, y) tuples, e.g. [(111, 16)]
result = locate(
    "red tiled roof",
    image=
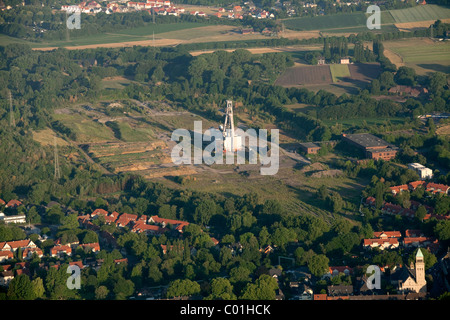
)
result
[(397, 189), (77, 263), (61, 248), (19, 244), (157, 219), (388, 234), (8, 254), (2, 201), (95, 246), (437, 187), (413, 185), (30, 251), (410, 240), (99, 212), (13, 203), (340, 269), (392, 241), (412, 233)]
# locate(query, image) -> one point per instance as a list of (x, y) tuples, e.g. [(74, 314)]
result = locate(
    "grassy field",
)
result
[(356, 22), (339, 71), (338, 21), (420, 13), (424, 55)]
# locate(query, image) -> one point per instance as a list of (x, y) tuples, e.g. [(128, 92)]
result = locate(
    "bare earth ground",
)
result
[(410, 26), (265, 50), (194, 35)]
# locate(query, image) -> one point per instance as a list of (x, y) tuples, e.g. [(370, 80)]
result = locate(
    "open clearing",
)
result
[(423, 54)]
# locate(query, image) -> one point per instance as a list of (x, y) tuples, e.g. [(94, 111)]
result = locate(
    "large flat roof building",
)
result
[(372, 146)]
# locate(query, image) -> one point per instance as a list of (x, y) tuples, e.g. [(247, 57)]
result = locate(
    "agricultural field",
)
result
[(339, 72), (335, 78), (420, 13), (338, 21), (424, 55), (305, 75), (391, 20)]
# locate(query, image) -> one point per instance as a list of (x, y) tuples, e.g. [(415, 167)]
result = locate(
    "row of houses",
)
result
[(393, 239), (395, 209), (429, 187), (153, 225), (9, 271), (29, 249)]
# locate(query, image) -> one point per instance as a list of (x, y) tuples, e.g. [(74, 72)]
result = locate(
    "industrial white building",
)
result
[(424, 172), (12, 219)]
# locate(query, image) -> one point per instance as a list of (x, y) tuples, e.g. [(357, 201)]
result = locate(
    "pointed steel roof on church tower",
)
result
[(419, 254)]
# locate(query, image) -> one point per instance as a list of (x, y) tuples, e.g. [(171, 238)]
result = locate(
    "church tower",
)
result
[(420, 271)]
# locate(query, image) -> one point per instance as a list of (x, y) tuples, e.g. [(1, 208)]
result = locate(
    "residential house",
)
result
[(398, 189), (340, 290), (28, 253), (408, 91), (176, 224), (382, 244), (337, 270), (387, 234), (415, 184), (152, 229), (125, 219), (98, 212), (94, 247), (61, 251), (6, 255), (437, 188), (13, 204), (427, 242), (6, 277), (345, 61)]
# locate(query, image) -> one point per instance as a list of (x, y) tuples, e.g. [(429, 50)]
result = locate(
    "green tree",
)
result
[(38, 288), (442, 230), (221, 289), (421, 212), (101, 292), (318, 264), (182, 287), (263, 289), (123, 288), (21, 288)]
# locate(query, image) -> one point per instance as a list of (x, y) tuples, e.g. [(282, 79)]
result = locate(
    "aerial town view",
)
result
[(252, 153)]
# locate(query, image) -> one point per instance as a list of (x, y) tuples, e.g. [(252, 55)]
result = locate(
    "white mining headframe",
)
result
[(231, 141)]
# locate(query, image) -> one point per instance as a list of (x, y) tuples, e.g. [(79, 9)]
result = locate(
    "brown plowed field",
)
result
[(364, 71), (305, 75)]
